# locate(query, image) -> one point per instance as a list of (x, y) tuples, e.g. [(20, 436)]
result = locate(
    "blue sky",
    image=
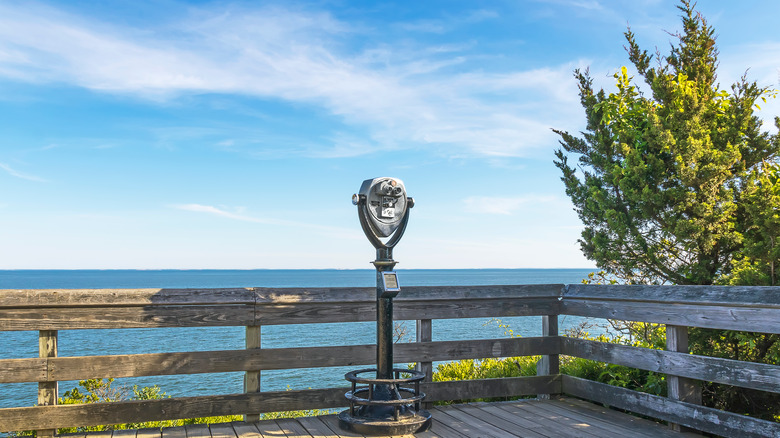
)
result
[(222, 134)]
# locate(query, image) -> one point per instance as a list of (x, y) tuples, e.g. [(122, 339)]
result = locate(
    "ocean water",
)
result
[(136, 341)]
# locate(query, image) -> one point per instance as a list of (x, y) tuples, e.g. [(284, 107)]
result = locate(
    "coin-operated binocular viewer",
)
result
[(388, 404)]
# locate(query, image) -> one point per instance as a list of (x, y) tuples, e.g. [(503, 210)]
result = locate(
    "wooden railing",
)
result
[(679, 307)]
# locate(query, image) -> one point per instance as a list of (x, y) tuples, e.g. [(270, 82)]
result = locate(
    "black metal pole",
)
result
[(384, 338), (384, 316)]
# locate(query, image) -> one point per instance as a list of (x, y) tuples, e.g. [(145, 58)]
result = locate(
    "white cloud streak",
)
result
[(275, 53), (8, 169), (219, 212), (209, 209)]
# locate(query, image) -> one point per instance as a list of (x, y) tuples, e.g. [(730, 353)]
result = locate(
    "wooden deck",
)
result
[(560, 417)]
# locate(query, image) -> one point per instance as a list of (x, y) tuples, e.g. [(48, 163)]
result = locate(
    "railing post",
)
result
[(548, 365), (252, 378), (425, 334), (680, 388), (47, 391)]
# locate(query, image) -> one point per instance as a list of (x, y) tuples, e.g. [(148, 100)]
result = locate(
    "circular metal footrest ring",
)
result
[(416, 376), (416, 397), (394, 399)]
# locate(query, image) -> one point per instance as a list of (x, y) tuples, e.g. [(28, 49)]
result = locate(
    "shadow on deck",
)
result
[(560, 417)]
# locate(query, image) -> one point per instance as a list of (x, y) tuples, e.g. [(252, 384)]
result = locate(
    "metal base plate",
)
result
[(406, 424)]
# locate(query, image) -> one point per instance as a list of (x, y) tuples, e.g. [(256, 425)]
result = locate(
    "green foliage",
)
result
[(600, 277), (637, 334), (759, 257), (103, 391), (295, 414), (93, 391), (661, 176), (625, 377), (508, 332), (469, 369)]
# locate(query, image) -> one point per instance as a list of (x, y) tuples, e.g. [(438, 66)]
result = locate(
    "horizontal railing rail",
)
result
[(138, 308), (752, 309), (755, 309), (157, 364), (763, 377)]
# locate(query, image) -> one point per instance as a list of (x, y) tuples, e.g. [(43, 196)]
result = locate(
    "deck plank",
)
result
[(332, 422), (442, 419), (292, 428), (149, 432), (439, 429), (316, 427), (198, 431), (171, 432), (223, 430), (524, 424), (269, 429), (246, 430)]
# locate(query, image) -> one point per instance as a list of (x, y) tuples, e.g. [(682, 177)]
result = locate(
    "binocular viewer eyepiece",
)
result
[(391, 187), (383, 208)]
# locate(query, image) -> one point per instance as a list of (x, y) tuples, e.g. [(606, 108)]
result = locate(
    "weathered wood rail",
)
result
[(48, 311)]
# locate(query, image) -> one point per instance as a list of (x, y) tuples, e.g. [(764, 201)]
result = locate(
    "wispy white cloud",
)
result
[(219, 212), (8, 169), (239, 215), (293, 55)]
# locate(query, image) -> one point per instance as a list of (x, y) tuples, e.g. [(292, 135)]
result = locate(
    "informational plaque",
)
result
[(390, 281)]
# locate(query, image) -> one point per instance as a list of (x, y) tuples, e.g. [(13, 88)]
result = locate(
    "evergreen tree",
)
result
[(662, 177)]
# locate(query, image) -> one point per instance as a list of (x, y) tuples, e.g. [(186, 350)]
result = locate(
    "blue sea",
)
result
[(136, 341)]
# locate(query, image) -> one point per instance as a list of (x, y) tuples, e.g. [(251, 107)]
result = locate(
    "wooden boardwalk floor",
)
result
[(562, 417)]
